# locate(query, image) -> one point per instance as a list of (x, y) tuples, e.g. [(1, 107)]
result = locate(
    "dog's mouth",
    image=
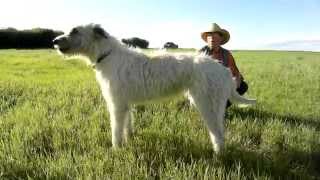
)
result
[(61, 49)]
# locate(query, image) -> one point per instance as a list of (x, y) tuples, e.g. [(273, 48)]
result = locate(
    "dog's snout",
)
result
[(58, 41)]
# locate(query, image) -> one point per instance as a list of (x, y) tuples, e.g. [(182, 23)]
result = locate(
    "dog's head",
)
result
[(81, 40)]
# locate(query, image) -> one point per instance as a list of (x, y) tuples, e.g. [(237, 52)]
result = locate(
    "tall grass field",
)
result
[(54, 124)]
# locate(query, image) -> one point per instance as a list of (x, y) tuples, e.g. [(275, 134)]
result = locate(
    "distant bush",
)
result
[(27, 39), (170, 45), (136, 42)]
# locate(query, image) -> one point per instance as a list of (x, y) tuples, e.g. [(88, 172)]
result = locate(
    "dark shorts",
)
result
[(241, 90)]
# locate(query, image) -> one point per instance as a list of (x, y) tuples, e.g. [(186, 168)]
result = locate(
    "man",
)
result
[(215, 37)]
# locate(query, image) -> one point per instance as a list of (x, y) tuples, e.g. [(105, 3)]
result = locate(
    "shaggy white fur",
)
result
[(127, 77)]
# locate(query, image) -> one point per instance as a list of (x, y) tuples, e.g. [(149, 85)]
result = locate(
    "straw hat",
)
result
[(216, 28)]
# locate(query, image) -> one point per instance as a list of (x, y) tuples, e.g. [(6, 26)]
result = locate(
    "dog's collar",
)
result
[(103, 56)]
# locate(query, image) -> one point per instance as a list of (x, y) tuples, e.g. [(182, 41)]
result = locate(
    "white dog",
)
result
[(127, 77)]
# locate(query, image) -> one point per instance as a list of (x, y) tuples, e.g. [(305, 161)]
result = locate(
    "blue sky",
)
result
[(273, 24)]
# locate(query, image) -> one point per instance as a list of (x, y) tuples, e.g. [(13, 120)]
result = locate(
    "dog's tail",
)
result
[(237, 98)]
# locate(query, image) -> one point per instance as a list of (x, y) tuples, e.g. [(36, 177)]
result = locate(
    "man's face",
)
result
[(214, 40)]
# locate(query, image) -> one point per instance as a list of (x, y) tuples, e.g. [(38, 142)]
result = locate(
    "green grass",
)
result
[(54, 124)]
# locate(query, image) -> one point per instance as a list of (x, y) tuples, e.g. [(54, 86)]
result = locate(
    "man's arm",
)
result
[(234, 69)]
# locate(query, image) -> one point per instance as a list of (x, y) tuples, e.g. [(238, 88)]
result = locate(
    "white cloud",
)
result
[(296, 45)]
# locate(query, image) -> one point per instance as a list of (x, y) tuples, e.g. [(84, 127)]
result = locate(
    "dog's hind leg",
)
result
[(217, 135), (212, 112)]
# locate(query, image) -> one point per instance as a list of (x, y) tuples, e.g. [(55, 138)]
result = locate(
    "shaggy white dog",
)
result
[(127, 77)]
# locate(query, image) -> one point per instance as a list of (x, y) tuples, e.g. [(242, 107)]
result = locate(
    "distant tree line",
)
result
[(27, 39), (37, 38)]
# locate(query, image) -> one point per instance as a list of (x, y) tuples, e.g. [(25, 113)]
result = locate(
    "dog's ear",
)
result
[(100, 32)]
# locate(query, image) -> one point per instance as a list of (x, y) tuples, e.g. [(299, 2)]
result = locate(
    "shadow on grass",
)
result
[(10, 98), (264, 116), (159, 149), (276, 163)]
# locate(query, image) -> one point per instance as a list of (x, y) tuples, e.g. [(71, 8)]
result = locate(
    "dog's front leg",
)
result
[(117, 117), (128, 128)]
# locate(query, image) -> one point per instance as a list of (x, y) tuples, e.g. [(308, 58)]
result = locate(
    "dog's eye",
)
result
[(74, 31)]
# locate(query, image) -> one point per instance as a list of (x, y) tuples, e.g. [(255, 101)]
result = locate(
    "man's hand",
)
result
[(237, 79)]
